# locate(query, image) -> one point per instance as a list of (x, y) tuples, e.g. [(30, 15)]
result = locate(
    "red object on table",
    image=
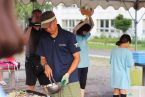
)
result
[(9, 64)]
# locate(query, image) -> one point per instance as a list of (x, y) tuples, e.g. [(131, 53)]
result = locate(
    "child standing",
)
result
[(121, 61), (82, 31)]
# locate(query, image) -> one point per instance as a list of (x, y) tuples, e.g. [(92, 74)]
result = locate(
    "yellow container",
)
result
[(136, 76)]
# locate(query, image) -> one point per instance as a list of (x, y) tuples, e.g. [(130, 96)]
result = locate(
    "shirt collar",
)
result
[(59, 32)]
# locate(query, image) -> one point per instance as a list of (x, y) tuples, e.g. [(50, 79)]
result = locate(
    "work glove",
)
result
[(65, 79)]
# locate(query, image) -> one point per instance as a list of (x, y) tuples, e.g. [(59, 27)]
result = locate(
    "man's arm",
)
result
[(47, 69), (74, 50), (74, 65), (75, 62)]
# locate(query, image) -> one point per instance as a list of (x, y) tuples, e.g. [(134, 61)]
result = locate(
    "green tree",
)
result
[(122, 23)]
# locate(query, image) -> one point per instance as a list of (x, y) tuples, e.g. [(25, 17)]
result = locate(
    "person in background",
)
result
[(34, 69), (82, 31), (121, 61), (60, 55)]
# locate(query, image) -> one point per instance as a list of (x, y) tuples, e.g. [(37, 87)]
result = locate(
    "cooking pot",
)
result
[(53, 87)]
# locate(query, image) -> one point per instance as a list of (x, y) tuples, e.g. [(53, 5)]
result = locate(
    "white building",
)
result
[(68, 17)]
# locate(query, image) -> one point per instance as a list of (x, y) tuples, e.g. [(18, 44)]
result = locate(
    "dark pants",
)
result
[(82, 74), (34, 71)]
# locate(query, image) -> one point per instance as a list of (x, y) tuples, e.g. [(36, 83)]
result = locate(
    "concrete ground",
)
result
[(98, 83)]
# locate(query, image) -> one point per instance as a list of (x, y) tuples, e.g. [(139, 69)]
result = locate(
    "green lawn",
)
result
[(94, 45), (98, 45), (109, 43)]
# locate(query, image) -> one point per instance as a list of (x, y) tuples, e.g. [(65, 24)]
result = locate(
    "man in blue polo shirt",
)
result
[(60, 56)]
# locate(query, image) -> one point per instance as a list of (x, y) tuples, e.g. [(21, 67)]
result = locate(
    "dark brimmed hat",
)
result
[(46, 18), (83, 26)]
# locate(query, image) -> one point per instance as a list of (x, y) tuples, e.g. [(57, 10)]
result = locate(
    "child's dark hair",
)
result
[(124, 39)]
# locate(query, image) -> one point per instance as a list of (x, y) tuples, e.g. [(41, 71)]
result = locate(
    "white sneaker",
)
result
[(3, 83)]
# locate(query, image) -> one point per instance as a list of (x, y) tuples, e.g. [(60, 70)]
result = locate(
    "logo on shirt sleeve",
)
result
[(76, 45)]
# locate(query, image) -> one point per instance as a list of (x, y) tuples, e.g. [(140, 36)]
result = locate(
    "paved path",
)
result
[(98, 84), (99, 52)]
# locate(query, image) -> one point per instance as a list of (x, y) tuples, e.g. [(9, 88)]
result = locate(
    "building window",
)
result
[(107, 23), (143, 32), (112, 23), (69, 24), (107, 26), (64, 23), (112, 26), (104, 25)]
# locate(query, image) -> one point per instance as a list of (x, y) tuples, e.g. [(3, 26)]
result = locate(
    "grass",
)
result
[(104, 39), (95, 45), (109, 43), (140, 47)]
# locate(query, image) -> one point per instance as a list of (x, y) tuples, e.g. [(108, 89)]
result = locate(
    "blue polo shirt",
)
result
[(59, 53)]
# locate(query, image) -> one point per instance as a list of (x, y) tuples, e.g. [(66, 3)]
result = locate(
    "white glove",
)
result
[(65, 79)]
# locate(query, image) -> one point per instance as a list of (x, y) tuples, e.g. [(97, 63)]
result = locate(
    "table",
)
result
[(143, 75)]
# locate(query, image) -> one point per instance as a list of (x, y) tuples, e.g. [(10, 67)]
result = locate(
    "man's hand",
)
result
[(65, 79), (48, 71)]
